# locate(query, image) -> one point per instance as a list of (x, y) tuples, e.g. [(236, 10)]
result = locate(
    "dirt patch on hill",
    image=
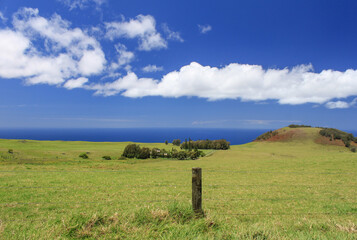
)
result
[(283, 135), (335, 142)]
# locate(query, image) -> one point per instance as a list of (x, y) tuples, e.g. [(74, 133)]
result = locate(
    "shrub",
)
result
[(299, 126), (143, 153), (131, 151), (265, 136), (333, 134), (194, 155), (11, 151), (122, 158), (83, 155), (155, 153), (181, 155), (165, 154), (166, 142), (353, 149), (174, 153), (221, 144), (176, 142), (107, 158)]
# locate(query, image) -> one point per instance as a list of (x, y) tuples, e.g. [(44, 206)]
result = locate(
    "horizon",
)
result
[(135, 64)]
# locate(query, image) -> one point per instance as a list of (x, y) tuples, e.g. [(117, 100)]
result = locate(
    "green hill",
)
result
[(288, 186), (309, 135)]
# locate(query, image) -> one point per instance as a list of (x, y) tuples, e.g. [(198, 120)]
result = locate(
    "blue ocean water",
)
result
[(234, 136)]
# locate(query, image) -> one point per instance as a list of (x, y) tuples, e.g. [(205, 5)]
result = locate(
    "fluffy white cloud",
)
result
[(92, 62), (66, 52), (337, 104), (131, 84), (72, 4), (142, 27), (152, 68), (75, 83), (241, 81), (204, 28), (340, 104)]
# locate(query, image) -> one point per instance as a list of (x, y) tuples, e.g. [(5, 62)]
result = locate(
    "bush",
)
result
[(155, 153), (131, 151), (11, 151), (181, 155), (353, 149), (144, 153), (83, 155), (299, 126), (266, 136), (194, 155), (176, 142), (333, 134), (107, 158), (122, 158), (221, 144)]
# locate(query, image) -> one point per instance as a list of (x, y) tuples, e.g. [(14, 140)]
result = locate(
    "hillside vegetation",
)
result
[(289, 186), (328, 136)]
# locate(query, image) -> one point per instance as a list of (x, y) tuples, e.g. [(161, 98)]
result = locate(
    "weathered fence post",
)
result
[(197, 191)]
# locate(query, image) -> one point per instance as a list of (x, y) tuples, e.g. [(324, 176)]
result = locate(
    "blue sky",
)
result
[(230, 64)]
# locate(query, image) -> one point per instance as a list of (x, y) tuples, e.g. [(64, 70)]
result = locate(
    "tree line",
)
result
[(221, 144), (135, 151)]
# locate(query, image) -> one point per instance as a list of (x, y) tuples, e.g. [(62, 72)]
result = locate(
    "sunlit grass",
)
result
[(261, 190)]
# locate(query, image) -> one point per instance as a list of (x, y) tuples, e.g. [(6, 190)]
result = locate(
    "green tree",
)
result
[(176, 142), (131, 151), (143, 153)]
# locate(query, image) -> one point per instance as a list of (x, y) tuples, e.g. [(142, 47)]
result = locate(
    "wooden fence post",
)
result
[(197, 191)]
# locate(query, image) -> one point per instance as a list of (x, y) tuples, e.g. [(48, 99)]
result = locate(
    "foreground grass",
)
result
[(260, 190)]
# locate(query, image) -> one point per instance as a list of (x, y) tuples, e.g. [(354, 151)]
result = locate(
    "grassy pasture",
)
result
[(262, 190)]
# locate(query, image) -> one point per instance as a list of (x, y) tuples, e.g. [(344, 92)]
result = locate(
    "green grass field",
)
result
[(261, 190)]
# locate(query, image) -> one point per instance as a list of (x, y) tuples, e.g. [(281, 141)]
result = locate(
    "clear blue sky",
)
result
[(231, 64)]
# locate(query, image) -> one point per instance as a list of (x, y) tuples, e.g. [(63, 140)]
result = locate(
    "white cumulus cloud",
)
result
[(246, 82), (340, 104), (142, 27), (204, 28), (65, 52), (75, 83), (131, 84)]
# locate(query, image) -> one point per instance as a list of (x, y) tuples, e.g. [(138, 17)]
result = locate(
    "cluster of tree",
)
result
[(267, 135), (299, 126), (135, 151), (333, 134), (176, 142), (221, 144)]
